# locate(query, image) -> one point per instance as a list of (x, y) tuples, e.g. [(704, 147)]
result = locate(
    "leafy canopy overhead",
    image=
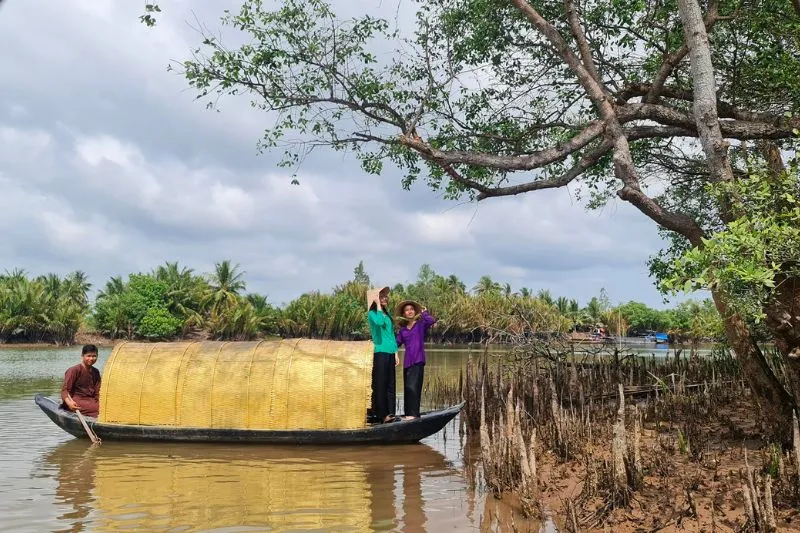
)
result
[(488, 104), (757, 250)]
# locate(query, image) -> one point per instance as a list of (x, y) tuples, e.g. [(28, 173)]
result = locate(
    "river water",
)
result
[(50, 481)]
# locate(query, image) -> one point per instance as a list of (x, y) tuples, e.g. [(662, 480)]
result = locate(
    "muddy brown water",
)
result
[(50, 481)]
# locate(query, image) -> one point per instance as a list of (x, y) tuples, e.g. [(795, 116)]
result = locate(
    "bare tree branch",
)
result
[(506, 162), (586, 162), (580, 39)]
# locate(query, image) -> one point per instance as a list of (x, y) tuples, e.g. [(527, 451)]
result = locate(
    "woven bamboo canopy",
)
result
[(270, 385)]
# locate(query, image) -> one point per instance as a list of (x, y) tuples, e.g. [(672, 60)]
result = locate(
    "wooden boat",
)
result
[(402, 432), (283, 391)]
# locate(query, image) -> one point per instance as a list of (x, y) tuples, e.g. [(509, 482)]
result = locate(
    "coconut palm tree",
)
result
[(16, 275), (562, 304), (594, 311), (545, 296), (76, 287), (454, 283), (185, 291), (114, 287), (507, 290), (225, 284), (487, 286)]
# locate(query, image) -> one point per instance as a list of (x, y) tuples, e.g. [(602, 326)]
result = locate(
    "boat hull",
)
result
[(407, 431)]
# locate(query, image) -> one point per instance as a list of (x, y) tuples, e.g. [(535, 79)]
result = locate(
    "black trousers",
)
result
[(412, 388), (383, 384)]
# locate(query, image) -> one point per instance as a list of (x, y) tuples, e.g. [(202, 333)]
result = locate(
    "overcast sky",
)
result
[(108, 165)]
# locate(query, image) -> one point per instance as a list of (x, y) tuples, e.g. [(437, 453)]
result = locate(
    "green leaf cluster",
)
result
[(171, 301), (46, 308), (754, 251)]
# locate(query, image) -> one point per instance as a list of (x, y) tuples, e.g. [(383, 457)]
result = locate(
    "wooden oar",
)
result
[(92, 437)]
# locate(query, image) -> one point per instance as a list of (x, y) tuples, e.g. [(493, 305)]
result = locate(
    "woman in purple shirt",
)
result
[(415, 321)]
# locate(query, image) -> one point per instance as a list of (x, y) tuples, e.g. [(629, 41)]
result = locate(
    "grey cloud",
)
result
[(182, 183)]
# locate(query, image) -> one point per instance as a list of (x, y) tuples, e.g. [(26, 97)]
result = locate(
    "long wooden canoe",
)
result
[(406, 431)]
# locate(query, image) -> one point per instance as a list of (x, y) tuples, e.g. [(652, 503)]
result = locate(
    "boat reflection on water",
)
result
[(149, 487)]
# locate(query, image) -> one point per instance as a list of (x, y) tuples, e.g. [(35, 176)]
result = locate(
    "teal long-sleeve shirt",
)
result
[(380, 326)]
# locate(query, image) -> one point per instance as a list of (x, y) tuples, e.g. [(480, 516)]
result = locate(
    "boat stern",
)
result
[(64, 419)]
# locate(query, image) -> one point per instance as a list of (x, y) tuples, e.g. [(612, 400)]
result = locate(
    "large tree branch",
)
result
[(631, 192), (624, 169), (732, 129), (586, 162), (506, 162), (673, 122), (580, 39), (724, 109), (705, 92), (636, 133)]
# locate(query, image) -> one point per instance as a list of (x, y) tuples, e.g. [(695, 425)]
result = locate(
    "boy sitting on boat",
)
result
[(81, 388)]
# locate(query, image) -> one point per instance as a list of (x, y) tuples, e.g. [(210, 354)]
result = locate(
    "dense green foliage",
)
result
[(756, 251), (43, 309), (173, 302)]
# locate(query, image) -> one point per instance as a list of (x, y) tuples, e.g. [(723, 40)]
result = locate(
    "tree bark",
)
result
[(783, 321), (774, 402), (772, 399), (705, 91), (783, 309)]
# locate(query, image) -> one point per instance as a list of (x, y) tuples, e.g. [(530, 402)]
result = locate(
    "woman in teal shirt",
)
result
[(384, 359)]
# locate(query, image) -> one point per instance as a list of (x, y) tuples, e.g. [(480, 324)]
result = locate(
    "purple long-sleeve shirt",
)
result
[(414, 339)]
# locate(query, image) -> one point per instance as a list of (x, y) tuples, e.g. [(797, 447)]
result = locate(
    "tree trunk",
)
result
[(783, 322), (783, 309), (705, 92), (773, 401)]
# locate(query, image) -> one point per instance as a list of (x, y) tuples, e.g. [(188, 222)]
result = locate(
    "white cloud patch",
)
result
[(22, 143), (75, 236), (445, 229), (96, 150)]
